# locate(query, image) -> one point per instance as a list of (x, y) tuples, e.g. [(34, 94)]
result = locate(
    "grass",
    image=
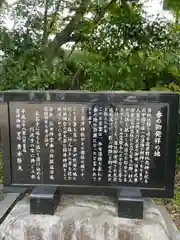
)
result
[(177, 196), (173, 206), (174, 202)]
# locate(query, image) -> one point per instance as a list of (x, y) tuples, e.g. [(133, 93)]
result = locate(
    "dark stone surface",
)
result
[(130, 203), (118, 139), (156, 176), (44, 200)]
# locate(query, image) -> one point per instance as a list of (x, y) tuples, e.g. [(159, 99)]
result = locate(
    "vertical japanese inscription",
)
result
[(75, 149), (110, 144), (93, 118), (147, 145), (126, 145), (142, 113), (100, 143), (50, 143), (158, 134), (137, 145), (130, 134), (97, 117), (82, 142), (38, 146), (21, 137), (69, 141), (72, 141), (64, 144), (115, 147), (121, 145), (131, 169), (32, 152), (35, 148), (49, 139), (69, 145), (24, 130)]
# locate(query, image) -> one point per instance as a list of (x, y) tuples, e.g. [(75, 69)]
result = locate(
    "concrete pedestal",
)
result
[(83, 218)]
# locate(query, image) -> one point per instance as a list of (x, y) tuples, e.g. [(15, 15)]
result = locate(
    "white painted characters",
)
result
[(158, 134)]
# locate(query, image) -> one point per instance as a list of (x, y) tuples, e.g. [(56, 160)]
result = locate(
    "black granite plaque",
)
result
[(96, 142)]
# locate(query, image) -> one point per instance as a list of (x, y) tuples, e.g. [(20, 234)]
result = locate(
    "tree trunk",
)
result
[(177, 17), (65, 35), (45, 28), (68, 33)]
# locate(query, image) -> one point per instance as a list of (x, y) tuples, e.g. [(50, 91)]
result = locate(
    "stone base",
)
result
[(44, 200), (83, 218)]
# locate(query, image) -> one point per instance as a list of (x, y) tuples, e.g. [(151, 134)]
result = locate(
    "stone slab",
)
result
[(13, 189), (8, 200), (172, 229), (84, 218)]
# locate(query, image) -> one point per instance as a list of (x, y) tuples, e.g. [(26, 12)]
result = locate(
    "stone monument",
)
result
[(117, 144)]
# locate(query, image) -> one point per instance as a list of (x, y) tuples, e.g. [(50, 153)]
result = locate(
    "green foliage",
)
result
[(130, 52), (116, 49), (172, 4), (177, 196)]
